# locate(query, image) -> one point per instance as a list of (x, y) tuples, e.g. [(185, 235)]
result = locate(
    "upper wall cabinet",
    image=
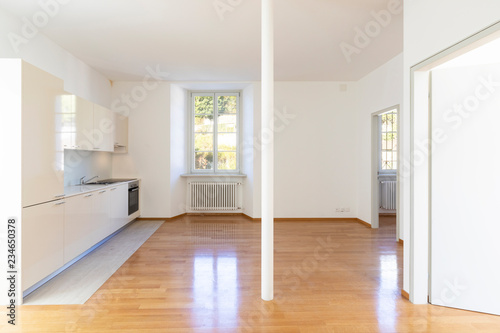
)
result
[(104, 129), (84, 123), (42, 151), (121, 133), (87, 126)]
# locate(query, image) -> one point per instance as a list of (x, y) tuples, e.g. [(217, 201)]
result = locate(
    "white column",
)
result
[(267, 151)]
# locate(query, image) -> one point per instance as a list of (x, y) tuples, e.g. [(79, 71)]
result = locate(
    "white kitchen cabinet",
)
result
[(103, 132), (42, 149), (102, 213), (87, 126), (121, 133), (67, 121), (84, 124), (57, 232), (42, 241), (81, 228), (118, 207), (78, 123)]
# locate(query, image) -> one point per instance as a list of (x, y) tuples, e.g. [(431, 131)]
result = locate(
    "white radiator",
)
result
[(214, 197), (388, 195)]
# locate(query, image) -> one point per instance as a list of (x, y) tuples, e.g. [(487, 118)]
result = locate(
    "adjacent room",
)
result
[(249, 165)]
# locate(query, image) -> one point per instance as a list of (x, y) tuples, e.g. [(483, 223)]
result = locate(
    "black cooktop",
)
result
[(112, 181)]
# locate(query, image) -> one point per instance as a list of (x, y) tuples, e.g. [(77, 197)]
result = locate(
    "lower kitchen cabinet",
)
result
[(118, 207), (42, 241), (81, 227), (57, 232), (102, 214)]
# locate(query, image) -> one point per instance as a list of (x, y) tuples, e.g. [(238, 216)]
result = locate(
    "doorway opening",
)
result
[(385, 155)]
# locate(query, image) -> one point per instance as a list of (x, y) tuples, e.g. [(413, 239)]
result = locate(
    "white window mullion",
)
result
[(380, 144), (238, 133), (216, 134)]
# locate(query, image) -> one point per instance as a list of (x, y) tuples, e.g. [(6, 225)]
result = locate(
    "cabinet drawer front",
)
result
[(42, 241)]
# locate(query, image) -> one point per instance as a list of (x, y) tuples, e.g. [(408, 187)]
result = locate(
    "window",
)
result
[(215, 134), (389, 141)]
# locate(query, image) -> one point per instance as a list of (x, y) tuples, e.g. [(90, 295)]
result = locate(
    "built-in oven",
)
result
[(133, 197)]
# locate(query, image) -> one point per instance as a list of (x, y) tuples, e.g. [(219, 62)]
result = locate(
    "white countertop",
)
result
[(73, 190)]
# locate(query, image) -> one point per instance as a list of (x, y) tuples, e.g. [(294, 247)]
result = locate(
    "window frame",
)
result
[(380, 170), (215, 170)]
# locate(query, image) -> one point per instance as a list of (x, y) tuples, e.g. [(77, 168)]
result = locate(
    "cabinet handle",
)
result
[(59, 195), (88, 195), (76, 146), (102, 192), (60, 203), (113, 189), (96, 148)]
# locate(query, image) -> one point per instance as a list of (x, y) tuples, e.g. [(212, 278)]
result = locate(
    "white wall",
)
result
[(158, 144), (148, 154), (79, 78), (10, 167), (328, 136), (379, 90), (429, 27), (315, 150), (247, 148), (257, 158)]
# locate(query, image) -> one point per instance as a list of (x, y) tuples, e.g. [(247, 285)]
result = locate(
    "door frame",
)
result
[(420, 160)]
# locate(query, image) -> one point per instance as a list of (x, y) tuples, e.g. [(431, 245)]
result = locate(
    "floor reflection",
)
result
[(388, 292), (215, 289)]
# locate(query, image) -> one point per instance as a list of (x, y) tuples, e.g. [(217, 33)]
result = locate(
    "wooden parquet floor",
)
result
[(202, 274)]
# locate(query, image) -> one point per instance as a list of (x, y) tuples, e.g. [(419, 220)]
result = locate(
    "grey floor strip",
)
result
[(80, 281)]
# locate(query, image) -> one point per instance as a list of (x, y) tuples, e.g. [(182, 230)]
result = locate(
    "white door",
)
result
[(465, 188)]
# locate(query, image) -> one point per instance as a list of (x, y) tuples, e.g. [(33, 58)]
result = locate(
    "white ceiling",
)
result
[(190, 41)]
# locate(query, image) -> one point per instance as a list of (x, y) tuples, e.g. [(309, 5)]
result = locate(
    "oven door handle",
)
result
[(134, 189)]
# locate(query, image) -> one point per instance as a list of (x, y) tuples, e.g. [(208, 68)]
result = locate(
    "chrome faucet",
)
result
[(83, 182)]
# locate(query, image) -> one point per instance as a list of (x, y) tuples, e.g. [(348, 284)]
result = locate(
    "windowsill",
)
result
[(228, 175)]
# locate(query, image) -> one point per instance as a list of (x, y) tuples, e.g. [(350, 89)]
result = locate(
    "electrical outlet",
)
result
[(348, 209), (337, 210), (342, 210)]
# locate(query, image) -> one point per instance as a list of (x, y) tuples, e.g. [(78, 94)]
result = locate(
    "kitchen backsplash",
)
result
[(79, 163)]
